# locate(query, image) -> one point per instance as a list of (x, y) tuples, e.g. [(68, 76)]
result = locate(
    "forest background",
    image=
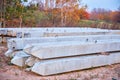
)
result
[(56, 13)]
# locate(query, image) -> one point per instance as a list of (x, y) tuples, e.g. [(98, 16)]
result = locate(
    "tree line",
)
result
[(107, 15), (47, 13)]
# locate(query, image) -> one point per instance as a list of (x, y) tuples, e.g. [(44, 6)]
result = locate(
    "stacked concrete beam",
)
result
[(65, 49), (51, 29), (70, 31), (54, 29), (53, 55), (72, 48), (15, 31), (58, 33), (55, 66), (61, 65), (48, 32), (19, 43), (52, 32)]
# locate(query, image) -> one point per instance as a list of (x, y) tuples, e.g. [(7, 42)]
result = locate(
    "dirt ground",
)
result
[(12, 72)]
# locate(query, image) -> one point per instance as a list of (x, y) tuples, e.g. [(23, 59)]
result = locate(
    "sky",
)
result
[(107, 4)]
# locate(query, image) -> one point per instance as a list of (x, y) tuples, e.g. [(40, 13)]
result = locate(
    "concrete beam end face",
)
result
[(9, 53), (20, 58), (19, 61)]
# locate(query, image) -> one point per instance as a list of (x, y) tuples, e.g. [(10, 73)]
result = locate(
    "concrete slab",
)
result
[(56, 66), (73, 48)]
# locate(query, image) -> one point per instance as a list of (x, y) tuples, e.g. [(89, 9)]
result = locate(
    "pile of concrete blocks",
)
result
[(51, 32), (64, 53), (7, 33)]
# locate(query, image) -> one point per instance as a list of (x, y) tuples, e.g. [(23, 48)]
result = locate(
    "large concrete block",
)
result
[(20, 58), (62, 65), (73, 48), (18, 43)]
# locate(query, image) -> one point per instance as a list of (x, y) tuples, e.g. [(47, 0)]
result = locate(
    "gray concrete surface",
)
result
[(19, 43), (73, 48), (76, 63)]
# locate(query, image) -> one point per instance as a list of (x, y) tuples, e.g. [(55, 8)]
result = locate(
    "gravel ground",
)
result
[(12, 72)]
